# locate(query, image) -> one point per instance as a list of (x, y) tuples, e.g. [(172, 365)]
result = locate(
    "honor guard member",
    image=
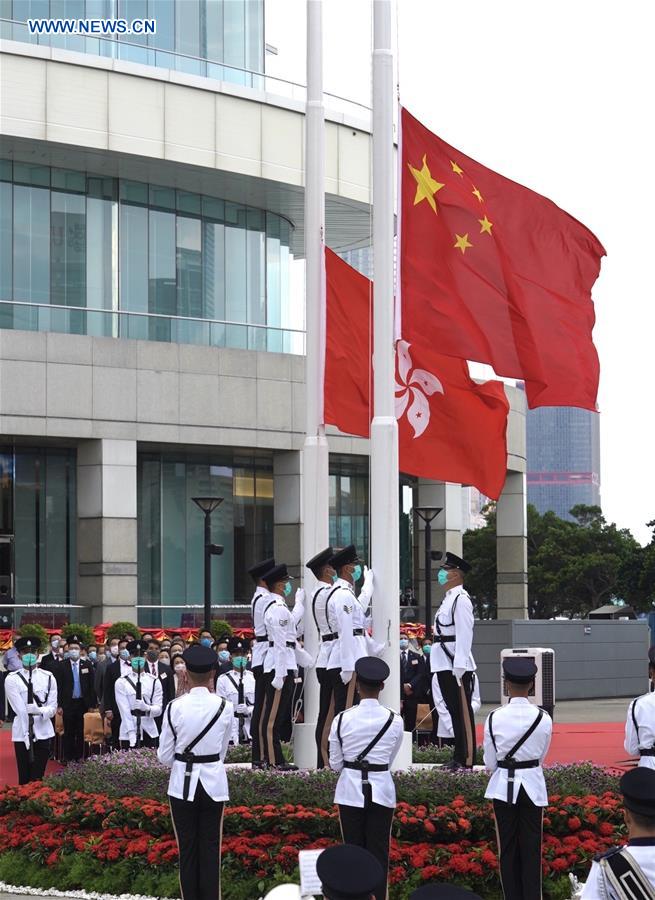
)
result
[(516, 740), (280, 666), (346, 617), (194, 740), (321, 567), (238, 686), (640, 722), (364, 741), (348, 872), (258, 605), (628, 872), (139, 698), (451, 662), (32, 694), (444, 730)]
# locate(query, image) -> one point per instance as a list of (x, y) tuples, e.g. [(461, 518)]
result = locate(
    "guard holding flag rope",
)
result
[(516, 740), (321, 566)]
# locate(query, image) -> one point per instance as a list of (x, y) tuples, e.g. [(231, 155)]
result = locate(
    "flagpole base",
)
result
[(304, 745), (403, 760)]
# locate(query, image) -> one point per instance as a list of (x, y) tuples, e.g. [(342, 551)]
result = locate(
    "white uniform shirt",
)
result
[(261, 600), (509, 724), (359, 725), (151, 699), (227, 686), (643, 710), (319, 615), (188, 715), (460, 624), (643, 852), (445, 726), (281, 630), (346, 615), (44, 686)]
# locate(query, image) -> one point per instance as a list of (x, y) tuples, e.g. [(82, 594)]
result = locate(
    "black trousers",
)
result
[(198, 826), (146, 741), (31, 771), (458, 701), (369, 828), (520, 829), (74, 730), (325, 716), (345, 695), (410, 706), (256, 720), (277, 712)]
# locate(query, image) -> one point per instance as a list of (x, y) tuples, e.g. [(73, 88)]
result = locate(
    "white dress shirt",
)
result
[(346, 615), (150, 704), (281, 630), (260, 602), (458, 623), (44, 685), (643, 852), (359, 725), (188, 715), (227, 686), (510, 723), (643, 710), (318, 604), (445, 726)]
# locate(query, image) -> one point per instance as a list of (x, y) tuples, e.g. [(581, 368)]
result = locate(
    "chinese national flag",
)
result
[(449, 427), (493, 272)]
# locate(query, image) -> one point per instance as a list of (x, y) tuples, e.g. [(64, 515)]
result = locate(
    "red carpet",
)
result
[(8, 773)]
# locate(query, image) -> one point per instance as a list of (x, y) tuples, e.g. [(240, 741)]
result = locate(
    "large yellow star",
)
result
[(456, 169), (462, 242), (476, 193), (426, 186), (485, 225)]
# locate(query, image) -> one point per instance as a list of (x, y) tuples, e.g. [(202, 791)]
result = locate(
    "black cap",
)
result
[(451, 560), (371, 670), (32, 644), (137, 648), (345, 557), (322, 559), (237, 646), (348, 872), (519, 669), (442, 892), (199, 659), (74, 639), (260, 568), (277, 573), (638, 789)]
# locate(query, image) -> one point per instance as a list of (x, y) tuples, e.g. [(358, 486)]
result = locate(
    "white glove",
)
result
[(300, 597), (346, 676), (242, 709), (132, 738), (141, 706), (277, 684), (368, 579), (458, 673), (33, 709)]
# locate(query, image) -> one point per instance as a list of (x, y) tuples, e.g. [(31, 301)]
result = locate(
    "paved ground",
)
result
[(613, 709)]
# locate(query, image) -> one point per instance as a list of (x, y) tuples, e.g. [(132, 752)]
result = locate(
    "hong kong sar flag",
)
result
[(449, 427)]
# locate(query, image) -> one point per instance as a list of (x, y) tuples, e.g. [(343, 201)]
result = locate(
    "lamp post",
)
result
[(208, 505), (427, 514)]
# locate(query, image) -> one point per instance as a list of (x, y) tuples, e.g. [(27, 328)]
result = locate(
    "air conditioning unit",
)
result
[(543, 692)]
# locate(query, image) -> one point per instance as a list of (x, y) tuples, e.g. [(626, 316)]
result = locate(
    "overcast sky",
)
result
[(557, 96)]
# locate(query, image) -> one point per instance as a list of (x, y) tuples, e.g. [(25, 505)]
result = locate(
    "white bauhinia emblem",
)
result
[(416, 385)]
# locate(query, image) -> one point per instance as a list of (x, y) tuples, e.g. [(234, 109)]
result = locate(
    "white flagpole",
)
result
[(384, 523), (314, 467)]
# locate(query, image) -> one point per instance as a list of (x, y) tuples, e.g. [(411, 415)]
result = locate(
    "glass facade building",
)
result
[(221, 39), (128, 259), (563, 459)]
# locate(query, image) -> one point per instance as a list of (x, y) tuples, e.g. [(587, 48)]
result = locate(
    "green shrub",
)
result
[(35, 631), (83, 632), (118, 629), (220, 628)]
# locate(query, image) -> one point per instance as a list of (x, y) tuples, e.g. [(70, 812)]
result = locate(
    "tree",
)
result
[(480, 550)]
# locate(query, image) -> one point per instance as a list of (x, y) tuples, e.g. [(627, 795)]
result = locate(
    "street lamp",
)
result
[(208, 505), (427, 514)]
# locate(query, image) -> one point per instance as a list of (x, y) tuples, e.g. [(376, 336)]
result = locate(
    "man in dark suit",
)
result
[(52, 661), (412, 677), (76, 696), (112, 673), (161, 671)]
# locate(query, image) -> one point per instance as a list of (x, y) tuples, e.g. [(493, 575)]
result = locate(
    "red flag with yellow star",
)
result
[(493, 272)]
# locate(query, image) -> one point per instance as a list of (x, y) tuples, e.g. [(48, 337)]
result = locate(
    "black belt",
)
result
[(191, 760), (650, 751), (290, 644), (358, 632), (238, 715), (364, 767), (512, 765), (447, 639), (329, 637), (138, 713), (260, 640)]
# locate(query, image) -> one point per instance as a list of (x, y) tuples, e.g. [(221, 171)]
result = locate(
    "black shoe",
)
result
[(286, 767), (259, 764)]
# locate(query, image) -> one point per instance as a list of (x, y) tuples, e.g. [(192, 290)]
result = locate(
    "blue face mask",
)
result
[(334, 577), (404, 643), (427, 649), (287, 589), (224, 656), (138, 663), (442, 577), (206, 642), (93, 655), (124, 654), (357, 573), (29, 659), (240, 662)]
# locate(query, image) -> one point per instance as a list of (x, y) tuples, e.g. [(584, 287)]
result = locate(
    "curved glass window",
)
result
[(103, 256), (222, 39)]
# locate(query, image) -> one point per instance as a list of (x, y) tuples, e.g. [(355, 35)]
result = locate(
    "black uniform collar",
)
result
[(642, 842)]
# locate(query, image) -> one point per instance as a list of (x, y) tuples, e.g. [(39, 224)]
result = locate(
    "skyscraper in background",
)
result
[(563, 457)]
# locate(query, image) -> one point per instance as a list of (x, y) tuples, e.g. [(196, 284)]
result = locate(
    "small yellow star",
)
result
[(456, 169), (476, 193), (426, 186), (462, 242), (485, 225)]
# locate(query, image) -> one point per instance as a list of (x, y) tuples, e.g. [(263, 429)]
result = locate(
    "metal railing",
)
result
[(112, 48), (50, 615), (146, 326)]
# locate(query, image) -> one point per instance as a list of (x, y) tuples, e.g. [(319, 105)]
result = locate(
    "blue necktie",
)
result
[(77, 693)]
